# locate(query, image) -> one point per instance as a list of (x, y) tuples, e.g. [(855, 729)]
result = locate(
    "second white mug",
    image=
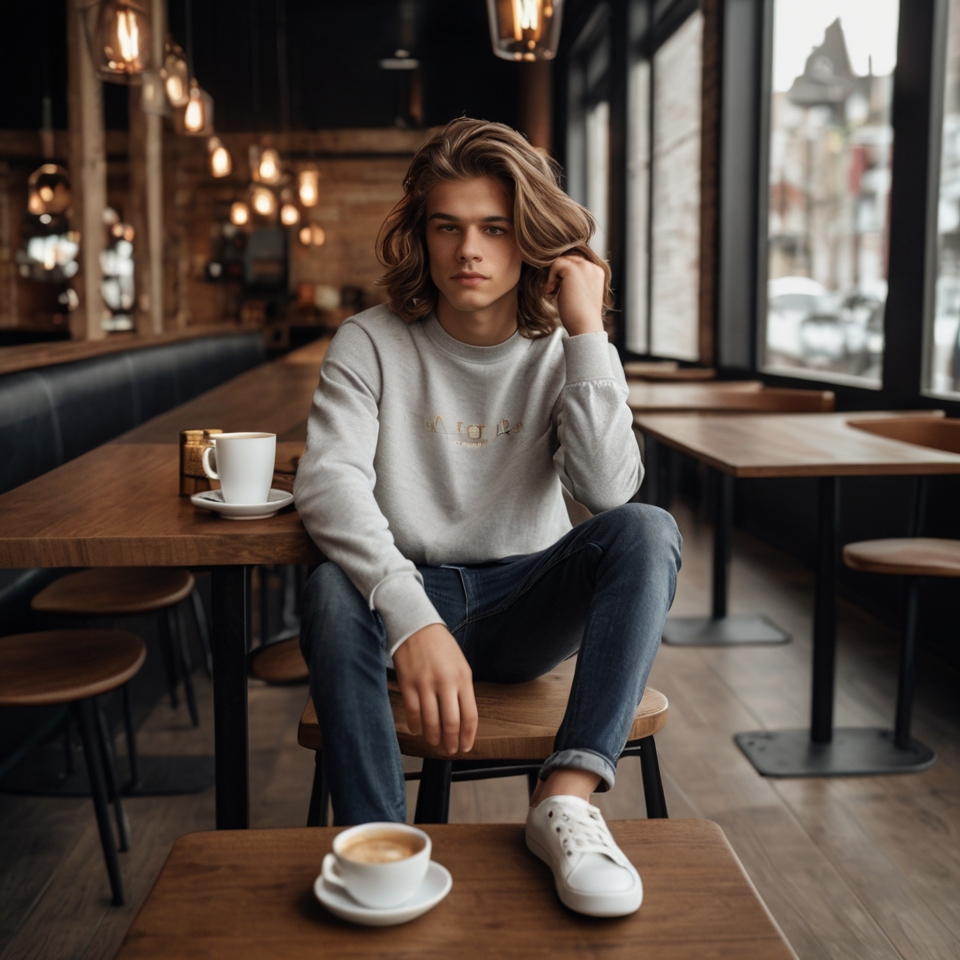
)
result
[(244, 465)]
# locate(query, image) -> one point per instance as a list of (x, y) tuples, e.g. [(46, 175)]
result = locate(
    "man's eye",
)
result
[(496, 231)]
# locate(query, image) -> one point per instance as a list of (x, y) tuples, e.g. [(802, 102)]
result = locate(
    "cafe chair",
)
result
[(911, 558), (114, 592), (279, 663), (74, 667), (517, 726)]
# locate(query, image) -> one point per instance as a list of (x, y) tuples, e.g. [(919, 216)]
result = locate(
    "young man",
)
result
[(445, 427)]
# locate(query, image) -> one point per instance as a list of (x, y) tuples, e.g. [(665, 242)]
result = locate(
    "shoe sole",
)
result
[(609, 905)]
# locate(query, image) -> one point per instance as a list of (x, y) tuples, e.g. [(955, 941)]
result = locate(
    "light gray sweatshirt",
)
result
[(422, 449)]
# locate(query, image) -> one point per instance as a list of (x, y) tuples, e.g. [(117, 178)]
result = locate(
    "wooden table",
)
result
[(119, 505), (722, 396), (827, 446), (239, 895)]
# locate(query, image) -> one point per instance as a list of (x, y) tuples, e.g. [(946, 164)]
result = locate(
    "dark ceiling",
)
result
[(332, 76)]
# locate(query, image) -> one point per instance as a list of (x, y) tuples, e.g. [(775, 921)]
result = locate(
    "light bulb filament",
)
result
[(128, 35)]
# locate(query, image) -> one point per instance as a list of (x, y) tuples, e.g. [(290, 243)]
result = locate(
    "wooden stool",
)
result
[(129, 591), (72, 667), (912, 558), (517, 726), (279, 663)]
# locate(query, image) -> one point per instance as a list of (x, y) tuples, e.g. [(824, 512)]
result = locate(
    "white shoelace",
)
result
[(584, 831)]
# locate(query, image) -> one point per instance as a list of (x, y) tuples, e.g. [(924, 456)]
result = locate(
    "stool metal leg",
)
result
[(533, 778), (652, 784), (170, 658), (908, 666), (203, 629), (131, 733), (319, 795), (179, 643), (113, 781), (433, 797), (85, 721)]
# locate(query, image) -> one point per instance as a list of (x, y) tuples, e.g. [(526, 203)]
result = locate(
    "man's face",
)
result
[(471, 244)]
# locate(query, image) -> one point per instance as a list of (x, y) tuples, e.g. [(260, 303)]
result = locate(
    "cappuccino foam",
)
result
[(382, 848)]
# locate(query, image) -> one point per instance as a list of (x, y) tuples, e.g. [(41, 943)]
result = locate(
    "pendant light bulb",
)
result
[(264, 202), (289, 215), (308, 187), (122, 45), (525, 29), (176, 77), (268, 170), (194, 116), (221, 163), (239, 214)]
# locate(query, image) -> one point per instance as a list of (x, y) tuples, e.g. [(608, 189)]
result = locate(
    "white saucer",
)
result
[(213, 500), (436, 885)]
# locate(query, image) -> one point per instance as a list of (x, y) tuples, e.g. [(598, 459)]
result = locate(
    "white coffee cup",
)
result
[(244, 465), (364, 865)]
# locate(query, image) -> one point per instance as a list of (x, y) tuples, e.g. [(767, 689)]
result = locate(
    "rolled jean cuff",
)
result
[(581, 759)]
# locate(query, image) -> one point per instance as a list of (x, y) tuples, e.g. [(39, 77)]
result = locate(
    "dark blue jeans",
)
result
[(603, 590)]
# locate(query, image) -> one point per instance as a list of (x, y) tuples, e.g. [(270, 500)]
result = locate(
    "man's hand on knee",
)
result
[(437, 688)]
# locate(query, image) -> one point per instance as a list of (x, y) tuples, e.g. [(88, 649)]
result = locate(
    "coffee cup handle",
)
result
[(329, 872), (207, 469)]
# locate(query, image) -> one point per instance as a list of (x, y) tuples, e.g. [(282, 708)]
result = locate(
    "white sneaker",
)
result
[(592, 874)]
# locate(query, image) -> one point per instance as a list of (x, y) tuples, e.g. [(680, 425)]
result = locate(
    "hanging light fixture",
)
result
[(525, 29), (122, 41), (49, 190), (312, 235), (176, 76), (263, 201), (239, 214), (197, 115), (308, 186), (266, 168), (289, 215), (221, 163)]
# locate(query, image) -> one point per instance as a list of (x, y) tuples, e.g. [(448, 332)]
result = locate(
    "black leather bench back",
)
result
[(51, 415)]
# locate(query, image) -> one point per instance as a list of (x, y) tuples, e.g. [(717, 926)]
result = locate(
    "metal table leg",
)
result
[(823, 751), (231, 638), (719, 629)]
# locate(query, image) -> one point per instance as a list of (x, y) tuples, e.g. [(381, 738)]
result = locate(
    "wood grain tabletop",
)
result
[(119, 506), (795, 444), (723, 395), (248, 894)]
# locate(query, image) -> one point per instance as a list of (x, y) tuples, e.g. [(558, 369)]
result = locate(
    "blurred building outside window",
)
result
[(638, 208), (598, 172), (943, 336), (675, 226), (829, 187)]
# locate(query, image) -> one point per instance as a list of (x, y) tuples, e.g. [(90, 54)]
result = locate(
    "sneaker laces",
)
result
[(583, 830)]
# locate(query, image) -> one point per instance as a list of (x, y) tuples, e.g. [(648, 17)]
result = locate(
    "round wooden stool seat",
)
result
[(908, 557), (279, 663), (517, 721), (62, 666), (115, 591)]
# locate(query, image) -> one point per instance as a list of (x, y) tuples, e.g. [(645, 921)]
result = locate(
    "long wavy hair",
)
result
[(547, 223)]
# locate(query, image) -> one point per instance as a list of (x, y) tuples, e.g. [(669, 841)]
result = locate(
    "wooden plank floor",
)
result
[(850, 868)]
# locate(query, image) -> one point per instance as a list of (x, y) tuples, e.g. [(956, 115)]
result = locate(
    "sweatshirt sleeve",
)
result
[(334, 488), (598, 456)]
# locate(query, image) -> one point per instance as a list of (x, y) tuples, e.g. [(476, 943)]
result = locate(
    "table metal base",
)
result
[(722, 631), (43, 775), (854, 751)]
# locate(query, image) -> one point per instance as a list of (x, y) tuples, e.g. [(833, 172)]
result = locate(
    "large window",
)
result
[(830, 151), (943, 338), (663, 195)]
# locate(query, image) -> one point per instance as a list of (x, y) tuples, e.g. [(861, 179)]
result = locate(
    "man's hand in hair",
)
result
[(436, 683), (578, 286)]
